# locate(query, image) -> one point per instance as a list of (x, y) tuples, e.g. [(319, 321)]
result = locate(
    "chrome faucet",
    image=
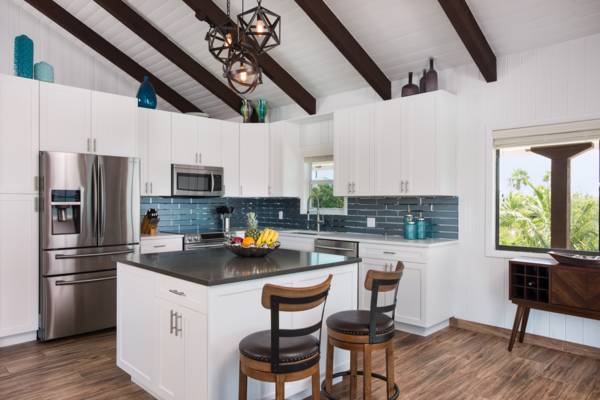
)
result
[(319, 220)]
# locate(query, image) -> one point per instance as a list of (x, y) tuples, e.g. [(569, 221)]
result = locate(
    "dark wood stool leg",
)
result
[(524, 324), (367, 372), (389, 359), (518, 317), (329, 367), (279, 388), (316, 384), (243, 386), (353, 374)]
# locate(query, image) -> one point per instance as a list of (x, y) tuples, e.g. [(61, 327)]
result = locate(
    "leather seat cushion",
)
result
[(356, 322), (257, 346)]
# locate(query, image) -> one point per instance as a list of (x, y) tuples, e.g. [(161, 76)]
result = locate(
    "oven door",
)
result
[(196, 181)]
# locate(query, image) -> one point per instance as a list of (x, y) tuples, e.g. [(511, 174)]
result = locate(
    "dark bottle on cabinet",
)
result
[(410, 88), (422, 81), (431, 78)]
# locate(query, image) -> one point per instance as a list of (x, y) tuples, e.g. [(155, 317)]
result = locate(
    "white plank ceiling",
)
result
[(400, 35)]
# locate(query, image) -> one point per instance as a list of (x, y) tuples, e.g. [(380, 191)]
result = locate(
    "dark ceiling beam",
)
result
[(155, 38), (209, 12), (78, 29), (337, 33), (468, 30)]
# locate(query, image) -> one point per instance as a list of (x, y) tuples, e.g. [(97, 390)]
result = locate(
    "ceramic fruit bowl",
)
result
[(251, 251), (575, 259)]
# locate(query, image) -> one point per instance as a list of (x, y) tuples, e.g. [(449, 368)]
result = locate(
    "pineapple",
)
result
[(252, 223)]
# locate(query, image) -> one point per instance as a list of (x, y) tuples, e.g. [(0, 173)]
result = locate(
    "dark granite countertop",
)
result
[(210, 267)]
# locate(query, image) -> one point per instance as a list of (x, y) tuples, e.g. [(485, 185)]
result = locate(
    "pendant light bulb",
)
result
[(261, 28), (228, 40)]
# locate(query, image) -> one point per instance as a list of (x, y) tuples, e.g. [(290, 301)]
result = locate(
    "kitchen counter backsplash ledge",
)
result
[(182, 214)]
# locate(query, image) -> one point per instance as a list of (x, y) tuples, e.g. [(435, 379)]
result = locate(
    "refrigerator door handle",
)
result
[(101, 208), (108, 253), (95, 198)]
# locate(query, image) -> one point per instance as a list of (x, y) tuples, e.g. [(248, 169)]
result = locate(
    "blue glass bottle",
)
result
[(410, 230), (421, 225)]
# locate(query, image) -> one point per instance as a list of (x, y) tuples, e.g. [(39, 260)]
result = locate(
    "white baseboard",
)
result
[(18, 339), (421, 331)]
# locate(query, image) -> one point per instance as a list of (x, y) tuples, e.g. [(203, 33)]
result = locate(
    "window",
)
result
[(534, 211), (321, 186)]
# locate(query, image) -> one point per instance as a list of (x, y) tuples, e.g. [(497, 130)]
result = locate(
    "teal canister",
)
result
[(421, 227), (408, 216), (410, 230)]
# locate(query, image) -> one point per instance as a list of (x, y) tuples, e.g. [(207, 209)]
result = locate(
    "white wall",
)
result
[(559, 82), (74, 63)]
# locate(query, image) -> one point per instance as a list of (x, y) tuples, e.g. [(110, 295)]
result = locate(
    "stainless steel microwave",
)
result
[(196, 181)]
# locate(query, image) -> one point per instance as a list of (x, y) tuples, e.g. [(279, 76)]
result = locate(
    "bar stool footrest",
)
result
[(328, 396)]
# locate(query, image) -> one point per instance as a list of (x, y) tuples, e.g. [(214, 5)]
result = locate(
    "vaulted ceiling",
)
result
[(398, 35)]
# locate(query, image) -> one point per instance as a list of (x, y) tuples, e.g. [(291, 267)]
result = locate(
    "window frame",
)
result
[(496, 216), (323, 211)]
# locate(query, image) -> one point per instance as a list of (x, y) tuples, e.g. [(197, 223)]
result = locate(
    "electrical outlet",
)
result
[(370, 222), (280, 214)]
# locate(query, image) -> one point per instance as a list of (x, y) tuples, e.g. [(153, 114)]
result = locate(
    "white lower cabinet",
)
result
[(426, 290), (162, 336), (161, 244), (18, 265)]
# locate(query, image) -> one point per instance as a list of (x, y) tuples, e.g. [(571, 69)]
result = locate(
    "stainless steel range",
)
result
[(90, 213), (196, 241)]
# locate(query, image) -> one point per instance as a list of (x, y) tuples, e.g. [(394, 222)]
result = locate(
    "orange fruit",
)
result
[(248, 241)]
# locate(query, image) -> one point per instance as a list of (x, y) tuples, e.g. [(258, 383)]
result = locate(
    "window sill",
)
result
[(508, 254)]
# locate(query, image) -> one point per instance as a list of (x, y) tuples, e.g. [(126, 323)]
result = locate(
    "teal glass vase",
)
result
[(261, 110), (146, 94), (23, 56), (42, 71), (246, 110)]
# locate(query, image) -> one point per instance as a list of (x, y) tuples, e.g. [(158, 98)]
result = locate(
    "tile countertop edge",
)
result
[(236, 279), (365, 238)]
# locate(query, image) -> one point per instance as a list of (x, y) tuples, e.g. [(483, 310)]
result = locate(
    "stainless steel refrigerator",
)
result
[(90, 214)]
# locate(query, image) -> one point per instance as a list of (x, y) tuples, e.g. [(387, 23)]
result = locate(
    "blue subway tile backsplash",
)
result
[(181, 215)]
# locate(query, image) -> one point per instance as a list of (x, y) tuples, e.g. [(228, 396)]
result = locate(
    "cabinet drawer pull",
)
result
[(177, 292), (389, 252), (172, 322), (158, 246)]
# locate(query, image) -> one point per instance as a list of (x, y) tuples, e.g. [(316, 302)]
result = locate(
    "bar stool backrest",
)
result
[(292, 299), (381, 282)]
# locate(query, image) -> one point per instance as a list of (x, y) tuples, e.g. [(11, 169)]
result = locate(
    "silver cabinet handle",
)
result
[(401, 186), (146, 191), (177, 292), (178, 324), (172, 327), (89, 144), (65, 283), (151, 188), (94, 145), (332, 248), (158, 246), (349, 187), (196, 158), (200, 158), (406, 186), (241, 190), (353, 187), (389, 252)]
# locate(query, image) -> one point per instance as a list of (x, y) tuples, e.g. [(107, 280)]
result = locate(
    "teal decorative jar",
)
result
[(421, 225), (146, 94), (246, 110), (261, 110), (23, 56), (43, 71)]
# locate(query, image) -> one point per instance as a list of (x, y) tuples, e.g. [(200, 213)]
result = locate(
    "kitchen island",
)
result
[(181, 316)]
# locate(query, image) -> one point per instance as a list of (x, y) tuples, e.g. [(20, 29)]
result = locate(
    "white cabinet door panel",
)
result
[(171, 351), (254, 160), (342, 122), (361, 151), (195, 336), (159, 154), (408, 307), (286, 162), (387, 148), (230, 149), (114, 120), (65, 118), (420, 145), (209, 142), (184, 131), (18, 264), (19, 134)]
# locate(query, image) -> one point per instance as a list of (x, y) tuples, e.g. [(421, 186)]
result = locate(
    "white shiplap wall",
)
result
[(74, 63), (558, 82)]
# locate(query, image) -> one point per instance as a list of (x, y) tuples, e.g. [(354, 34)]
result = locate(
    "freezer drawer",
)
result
[(75, 261), (74, 304)]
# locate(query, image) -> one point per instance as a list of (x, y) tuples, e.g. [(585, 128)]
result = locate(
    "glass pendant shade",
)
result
[(243, 72), (261, 27)]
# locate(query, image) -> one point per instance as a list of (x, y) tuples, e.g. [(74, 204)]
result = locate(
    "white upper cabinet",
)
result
[(400, 147), (286, 161), (65, 118), (209, 142), (184, 133), (352, 151), (83, 121), (154, 144), (254, 160), (114, 120), (19, 138), (230, 154), (196, 140)]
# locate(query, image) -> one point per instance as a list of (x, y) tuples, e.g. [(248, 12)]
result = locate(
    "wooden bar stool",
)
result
[(365, 331), (285, 355)]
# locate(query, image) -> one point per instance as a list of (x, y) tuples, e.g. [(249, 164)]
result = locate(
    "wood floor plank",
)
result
[(448, 365)]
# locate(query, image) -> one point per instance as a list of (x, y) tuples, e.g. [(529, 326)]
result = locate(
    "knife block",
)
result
[(148, 227)]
